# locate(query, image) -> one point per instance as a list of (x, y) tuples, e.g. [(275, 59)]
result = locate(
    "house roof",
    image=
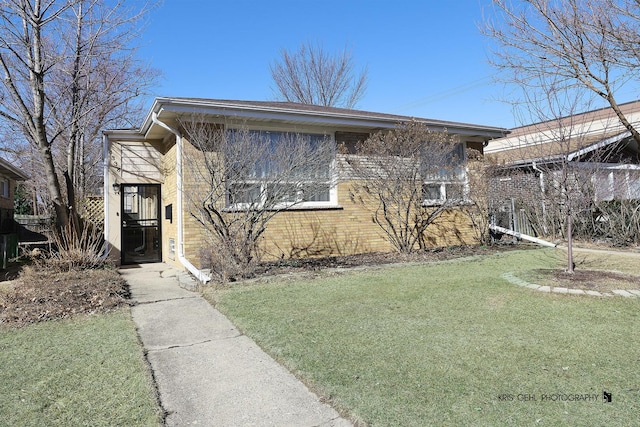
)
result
[(10, 171), (568, 137), (570, 151), (168, 110)]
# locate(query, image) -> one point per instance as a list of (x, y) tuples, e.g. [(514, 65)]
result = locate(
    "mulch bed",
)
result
[(595, 280), (38, 296), (376, 259)]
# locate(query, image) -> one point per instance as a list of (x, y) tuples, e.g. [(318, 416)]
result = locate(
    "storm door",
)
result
[(140, 207)]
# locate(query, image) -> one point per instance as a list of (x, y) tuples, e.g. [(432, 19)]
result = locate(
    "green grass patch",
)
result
[(85, 371), (450, 343)]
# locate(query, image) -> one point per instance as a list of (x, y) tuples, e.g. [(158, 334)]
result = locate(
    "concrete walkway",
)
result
[(207, 372)]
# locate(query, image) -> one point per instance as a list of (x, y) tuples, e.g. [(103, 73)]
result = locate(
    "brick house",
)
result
[(9, 177), (600, 153), (147, 215)]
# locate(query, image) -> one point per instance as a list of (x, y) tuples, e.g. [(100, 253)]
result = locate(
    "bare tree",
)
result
[(312, 75), (408, 177), (575, 45), (240, 179), (69, 70), (561, 187)]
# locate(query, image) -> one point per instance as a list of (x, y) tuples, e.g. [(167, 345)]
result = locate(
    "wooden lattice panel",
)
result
[(92, 210)]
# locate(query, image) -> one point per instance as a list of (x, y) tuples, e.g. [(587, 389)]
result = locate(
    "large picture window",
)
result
[(284, 169)]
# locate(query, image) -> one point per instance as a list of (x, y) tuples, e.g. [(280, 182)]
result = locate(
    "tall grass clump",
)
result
[(75, 248)]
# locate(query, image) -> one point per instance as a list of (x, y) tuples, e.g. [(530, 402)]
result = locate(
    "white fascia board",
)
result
[(598, 145), (124, 134), (333, 118)]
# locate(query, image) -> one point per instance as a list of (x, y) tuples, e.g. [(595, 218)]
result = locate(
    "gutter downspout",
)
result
[(522, 236), (544, 207), (105, 180), (184, 261)]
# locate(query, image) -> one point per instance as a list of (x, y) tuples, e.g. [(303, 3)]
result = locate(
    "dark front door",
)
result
[(140, 207)]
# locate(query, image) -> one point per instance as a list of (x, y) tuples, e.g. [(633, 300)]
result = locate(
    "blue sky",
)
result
[(425, 58)]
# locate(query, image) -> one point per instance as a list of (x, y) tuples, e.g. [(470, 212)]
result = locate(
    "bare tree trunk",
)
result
[(569, 243), (74, 134), (62, 217)]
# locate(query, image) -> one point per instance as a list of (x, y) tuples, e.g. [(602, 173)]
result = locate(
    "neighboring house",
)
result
[(602, 157), (147, 217), (9, 176)]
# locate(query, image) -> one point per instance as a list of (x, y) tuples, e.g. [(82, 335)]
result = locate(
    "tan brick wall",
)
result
[(194, 171), (451, 228), (168, 193), (347, 230)]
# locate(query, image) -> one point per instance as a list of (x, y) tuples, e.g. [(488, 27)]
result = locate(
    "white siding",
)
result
[(140, 161)]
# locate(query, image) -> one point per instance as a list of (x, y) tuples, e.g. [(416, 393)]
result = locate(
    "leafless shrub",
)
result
[(239, 179), (73, 251), (478, 206), (615, 221), (224, 264), (407, 177)]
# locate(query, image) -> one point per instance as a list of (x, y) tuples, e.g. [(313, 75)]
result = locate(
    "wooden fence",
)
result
[(39, 227)]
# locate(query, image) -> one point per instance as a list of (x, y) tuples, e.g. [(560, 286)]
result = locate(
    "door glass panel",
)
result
[(140, 224)]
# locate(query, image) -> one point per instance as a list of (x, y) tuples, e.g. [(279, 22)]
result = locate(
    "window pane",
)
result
[(432, 192), (634, 184), (130, 199), (455, 192), (282, 193), (4, 187), (267, 143), (318, 196), (445, 166), (244, 193)]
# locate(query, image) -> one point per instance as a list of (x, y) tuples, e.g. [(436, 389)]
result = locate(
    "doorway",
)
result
[(140, 207)]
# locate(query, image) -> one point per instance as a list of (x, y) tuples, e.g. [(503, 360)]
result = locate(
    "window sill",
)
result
[(290, 209), (438, 203)]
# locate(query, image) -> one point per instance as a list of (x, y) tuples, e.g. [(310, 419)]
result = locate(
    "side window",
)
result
[(5, 189)]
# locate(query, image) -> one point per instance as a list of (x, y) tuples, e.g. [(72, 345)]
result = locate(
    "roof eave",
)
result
[(11, 171), (370, 120)]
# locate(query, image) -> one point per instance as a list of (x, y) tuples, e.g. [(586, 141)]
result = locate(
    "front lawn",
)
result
[(450, 343), (89, 370)]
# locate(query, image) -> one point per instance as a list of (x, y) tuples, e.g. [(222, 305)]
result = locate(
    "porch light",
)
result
[(116, 187)]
